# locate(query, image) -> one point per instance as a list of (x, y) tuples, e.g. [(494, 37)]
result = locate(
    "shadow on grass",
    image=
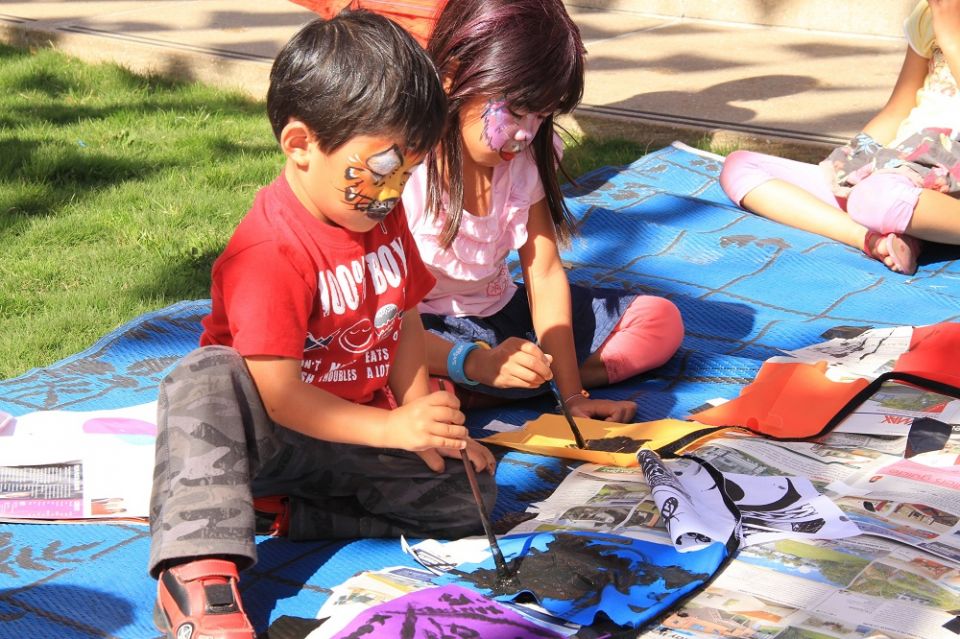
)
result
[(37, 188), (45, 164), (173, 101), (186, 278), (593, 153), (44, 82), (222, 147)]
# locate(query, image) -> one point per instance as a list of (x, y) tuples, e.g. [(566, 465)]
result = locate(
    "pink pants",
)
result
[(647, 335), (882, 202)]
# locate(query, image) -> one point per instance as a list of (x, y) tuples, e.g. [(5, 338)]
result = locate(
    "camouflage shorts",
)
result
[(217, 448)]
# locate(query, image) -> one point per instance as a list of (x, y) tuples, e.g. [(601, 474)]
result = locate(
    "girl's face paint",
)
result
[(507, 132)]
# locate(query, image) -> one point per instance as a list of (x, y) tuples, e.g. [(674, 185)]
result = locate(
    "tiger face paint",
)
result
[(355, 186), (374, 182)]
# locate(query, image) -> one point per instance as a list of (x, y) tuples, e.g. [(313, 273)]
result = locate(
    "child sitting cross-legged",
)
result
[(490, 187), (311, 379)]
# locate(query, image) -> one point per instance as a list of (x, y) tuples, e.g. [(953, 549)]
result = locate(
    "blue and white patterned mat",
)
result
[(746, 287)]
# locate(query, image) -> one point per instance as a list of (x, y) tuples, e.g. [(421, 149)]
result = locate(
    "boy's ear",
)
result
[(295, 141)]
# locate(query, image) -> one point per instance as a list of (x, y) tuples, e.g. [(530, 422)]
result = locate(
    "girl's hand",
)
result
[(478, 454), (946, 22), (431, 421), (607, 409), (514, 363)]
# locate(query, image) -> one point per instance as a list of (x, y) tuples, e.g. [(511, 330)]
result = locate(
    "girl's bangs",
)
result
[(544, 92)]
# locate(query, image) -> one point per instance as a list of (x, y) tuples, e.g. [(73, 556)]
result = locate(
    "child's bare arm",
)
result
[(514, 363), (946, 29), (408, 381), (549, 292), (883, 127), (408, 371), (432, 421)]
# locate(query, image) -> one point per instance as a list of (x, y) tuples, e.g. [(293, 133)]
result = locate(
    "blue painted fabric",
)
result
[(578, 575)]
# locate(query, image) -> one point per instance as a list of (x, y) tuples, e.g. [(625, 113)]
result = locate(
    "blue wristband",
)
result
[(455, 361)]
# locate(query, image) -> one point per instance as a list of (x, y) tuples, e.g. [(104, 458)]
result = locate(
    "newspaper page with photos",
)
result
[(817, 460), (853, 588), (608, 499), (896, 479), (854, 352), (76, 465), (895, 408), (677, 502), (914, 501)]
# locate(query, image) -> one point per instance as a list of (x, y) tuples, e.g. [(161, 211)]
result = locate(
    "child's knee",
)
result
[(647, 336), (209, 361), (883, 202), (665, 327), (741, 173), (457, 515)]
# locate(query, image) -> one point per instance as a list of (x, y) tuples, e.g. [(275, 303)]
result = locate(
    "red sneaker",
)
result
[(199, 600)]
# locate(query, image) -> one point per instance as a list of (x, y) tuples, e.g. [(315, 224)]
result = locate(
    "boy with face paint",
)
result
[(306, 410)]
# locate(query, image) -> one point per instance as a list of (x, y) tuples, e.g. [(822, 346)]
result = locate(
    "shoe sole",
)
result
[(161, 621)]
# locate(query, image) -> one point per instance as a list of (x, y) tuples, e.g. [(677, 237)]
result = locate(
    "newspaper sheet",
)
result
[(607, 499), (684, 506), (65, 465), (857, 353), (824, 589), (893, 409), (907, 501), (818, 462)]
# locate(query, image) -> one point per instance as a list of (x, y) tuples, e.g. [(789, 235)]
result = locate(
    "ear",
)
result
[(450, 71), (295, 141)]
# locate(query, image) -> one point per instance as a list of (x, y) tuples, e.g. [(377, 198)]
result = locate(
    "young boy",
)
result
[(313, 341)]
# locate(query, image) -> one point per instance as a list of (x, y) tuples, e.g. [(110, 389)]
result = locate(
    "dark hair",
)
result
[(526, 50), (357, 74)]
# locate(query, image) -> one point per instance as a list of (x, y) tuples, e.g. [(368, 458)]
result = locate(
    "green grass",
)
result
[(117, 192)]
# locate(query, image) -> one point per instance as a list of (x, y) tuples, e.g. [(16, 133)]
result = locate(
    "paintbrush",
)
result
[(504, 575), (578, 438)]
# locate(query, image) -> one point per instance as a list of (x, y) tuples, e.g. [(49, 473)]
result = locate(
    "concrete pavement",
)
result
[(651, 78)]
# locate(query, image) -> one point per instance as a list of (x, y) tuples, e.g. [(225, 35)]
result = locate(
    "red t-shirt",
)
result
[(290, 285)]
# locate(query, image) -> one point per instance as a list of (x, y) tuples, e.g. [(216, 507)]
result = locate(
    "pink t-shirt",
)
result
[(472, 274)]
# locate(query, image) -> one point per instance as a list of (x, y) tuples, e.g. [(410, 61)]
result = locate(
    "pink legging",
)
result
[(882, 202), (647, 335)]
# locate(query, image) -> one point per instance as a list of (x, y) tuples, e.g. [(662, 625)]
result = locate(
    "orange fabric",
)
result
[(794, 400), (934, 353), (418, 17), (786, 400)]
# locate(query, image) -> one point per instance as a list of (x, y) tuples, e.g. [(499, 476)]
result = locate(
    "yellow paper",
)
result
[(551, 435)]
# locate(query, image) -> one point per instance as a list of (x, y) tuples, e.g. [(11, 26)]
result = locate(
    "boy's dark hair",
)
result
[(357, 74), (529, 51)]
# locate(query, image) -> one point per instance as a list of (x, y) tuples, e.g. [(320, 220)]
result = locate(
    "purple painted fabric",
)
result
[(445, 612)]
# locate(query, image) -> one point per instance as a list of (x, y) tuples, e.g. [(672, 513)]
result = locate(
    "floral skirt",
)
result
[(930, 158)]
